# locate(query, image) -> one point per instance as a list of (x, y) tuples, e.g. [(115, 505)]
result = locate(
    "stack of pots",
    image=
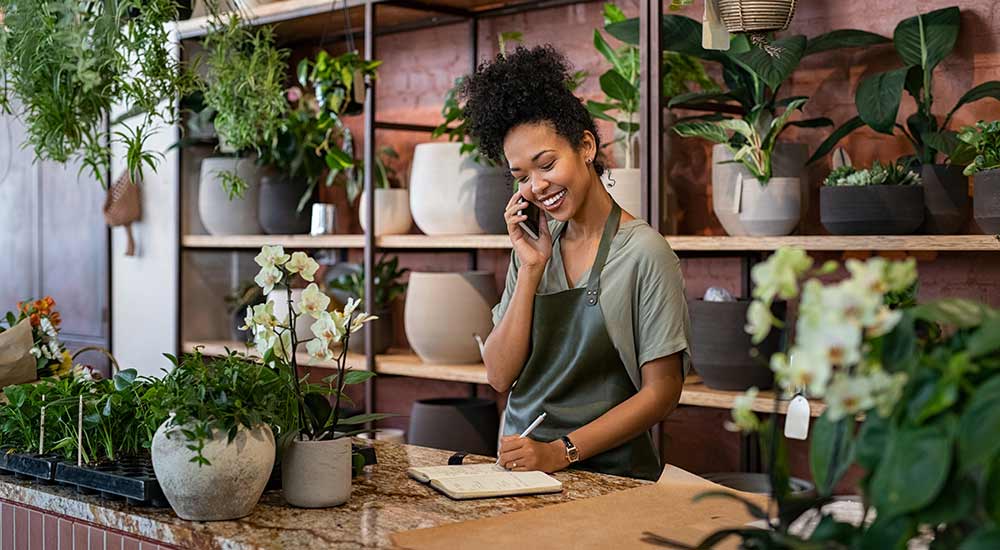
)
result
[(773, 209)]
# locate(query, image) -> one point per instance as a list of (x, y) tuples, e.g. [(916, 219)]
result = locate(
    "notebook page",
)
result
[(448, 472), (499, 483)]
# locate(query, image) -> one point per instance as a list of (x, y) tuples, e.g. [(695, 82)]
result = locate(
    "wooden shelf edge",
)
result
[(218, 347), (943, 243), (273, 12), (257, 241)]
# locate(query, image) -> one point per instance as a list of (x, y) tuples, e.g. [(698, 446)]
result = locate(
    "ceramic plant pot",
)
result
[(625, 187), (303, 323), (986, 201), (444, 186), (872, 209), (787, 161), (279, 199), (226, 489), (722, 347), (219, 214), (770, 210), (392, 212), (317, 474), (946, 198), (444, 312)]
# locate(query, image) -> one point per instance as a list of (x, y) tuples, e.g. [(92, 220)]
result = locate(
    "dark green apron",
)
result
[(575, 374)]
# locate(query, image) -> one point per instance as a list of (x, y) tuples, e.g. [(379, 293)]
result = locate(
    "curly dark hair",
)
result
[(526, 86)]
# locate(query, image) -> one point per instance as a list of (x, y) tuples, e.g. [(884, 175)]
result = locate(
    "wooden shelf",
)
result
[(697, 394), (445, 242), (257, 241), (218, 347)]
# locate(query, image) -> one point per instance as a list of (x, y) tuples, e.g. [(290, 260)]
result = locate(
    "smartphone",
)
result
[(530, 225)]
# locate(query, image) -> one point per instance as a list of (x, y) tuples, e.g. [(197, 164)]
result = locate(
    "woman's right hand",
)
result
[(532, 253)]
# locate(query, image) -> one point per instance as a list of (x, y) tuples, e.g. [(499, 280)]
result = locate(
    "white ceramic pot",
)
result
[(444, 312), (788, 160), (444, 185), (219, 214), (317, 474), (303, 323), (392, 212), (770, 210), (625, 187), (226, 489)]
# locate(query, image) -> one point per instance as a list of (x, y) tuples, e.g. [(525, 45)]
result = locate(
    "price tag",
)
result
[(797, 418), (714, 34)]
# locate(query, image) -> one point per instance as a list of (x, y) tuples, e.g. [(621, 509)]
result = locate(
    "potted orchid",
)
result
[(317, 460)]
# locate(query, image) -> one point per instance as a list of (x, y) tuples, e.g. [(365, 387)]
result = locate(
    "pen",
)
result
[(529, 429)]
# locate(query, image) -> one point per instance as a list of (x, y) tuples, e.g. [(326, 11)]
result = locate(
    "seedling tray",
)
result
[(29, 465), (130, 478)]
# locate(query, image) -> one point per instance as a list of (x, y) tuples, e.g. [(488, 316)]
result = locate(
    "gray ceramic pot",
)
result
[(383, 327), (219, 214), (493, 191), (279, 199), (946, 198), (317, 474), (872, 209), (721, 347), (986, 200), (788, 161), (456, 424)]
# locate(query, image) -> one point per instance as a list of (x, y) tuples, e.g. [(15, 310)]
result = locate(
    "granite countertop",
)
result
[(383, 501)]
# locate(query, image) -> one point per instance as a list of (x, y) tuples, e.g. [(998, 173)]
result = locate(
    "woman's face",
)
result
[(549, 171)]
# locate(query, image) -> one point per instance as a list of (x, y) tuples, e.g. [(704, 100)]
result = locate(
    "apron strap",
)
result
[(610, 228)]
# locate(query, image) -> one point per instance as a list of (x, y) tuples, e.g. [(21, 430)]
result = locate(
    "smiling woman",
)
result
[(593, 326)]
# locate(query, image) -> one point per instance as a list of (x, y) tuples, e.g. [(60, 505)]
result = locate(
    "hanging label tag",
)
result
[(738, 193), (797, 418), (714, 34), (840, 158)]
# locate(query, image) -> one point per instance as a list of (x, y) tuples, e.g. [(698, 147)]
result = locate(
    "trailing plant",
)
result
[(893, 173), (387, 283), (339, 81), (51, 357), (984, 141), (921, 42), (68, 66)]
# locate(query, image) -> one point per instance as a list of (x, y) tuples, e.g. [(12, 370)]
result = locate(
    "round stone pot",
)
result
[(770, 210), (625, 187), (279, 199), (219, 214), (986, 200), (226, 489), (722, 347), (444, 186), (946, 198), (456, 424), (303, 323), (383, 333), (787, 161), (317, 474), (872, 209), (392, 212), (444, 312)]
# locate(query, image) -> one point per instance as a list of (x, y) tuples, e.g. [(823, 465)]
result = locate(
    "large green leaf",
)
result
[(887, 533), (978, 444), (831, 452), (774, 69), (913, 470), (608, 52), (778, 124), (956, 501), (844, 38), (959, 312), (837, 135), (982, 91), (615, 86), (705, 130), (924, 40), (945, 141), (992, 491), (697, 98), (985, 340), (878, 98)]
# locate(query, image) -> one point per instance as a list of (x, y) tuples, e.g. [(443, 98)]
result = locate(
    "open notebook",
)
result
[(484, 481)]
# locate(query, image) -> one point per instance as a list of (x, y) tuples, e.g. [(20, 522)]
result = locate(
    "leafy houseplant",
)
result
[(338, 80), (885, 199), (984, 141), (879, 174), (385, 175)]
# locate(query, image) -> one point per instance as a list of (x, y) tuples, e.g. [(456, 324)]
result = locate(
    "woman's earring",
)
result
[(589, 161)]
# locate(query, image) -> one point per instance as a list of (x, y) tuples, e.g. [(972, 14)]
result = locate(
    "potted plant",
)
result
[(984, 140), (885, 199), (921, 42), (339, 81), (317, 459), (392, 199), (246, 295), (388, 287), (214, 454)]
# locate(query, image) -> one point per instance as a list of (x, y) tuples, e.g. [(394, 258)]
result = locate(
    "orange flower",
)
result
[(55, 318), (35, 320)]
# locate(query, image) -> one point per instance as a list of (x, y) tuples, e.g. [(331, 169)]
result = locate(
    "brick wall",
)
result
[(25, 528)]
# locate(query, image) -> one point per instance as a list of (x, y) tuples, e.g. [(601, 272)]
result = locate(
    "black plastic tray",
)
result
[(30, 465), (130, 478)]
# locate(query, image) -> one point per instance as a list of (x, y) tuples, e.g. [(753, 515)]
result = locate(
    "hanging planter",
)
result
[(756, 16)]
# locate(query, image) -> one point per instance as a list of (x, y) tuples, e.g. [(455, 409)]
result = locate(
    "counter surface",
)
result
[(383, 501)]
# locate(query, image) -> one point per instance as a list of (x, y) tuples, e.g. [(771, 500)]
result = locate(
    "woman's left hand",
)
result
[(525, 454)]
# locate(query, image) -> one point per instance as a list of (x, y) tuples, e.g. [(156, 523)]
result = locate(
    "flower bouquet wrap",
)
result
[(17, 365)]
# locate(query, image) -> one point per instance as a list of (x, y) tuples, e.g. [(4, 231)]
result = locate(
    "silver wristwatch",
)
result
[(572, 454)]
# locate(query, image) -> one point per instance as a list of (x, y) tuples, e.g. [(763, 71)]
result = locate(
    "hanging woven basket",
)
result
[(756, 16)]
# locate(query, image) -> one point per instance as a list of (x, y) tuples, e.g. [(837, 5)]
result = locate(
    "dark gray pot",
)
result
[(721, 347), (493, 191), (872, 210), (456, 424), (383, 334), (279, 198), (946, 198), (986, 200)]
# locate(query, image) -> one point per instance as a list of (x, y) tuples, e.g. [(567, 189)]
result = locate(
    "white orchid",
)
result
[(267, 278), (848, 395), (271, 256), (360, 320), (313, 301), (744, 418), (887, 389), (830, 337), (801, 370), (303, 265), (885, 320), (319, 350), (779, 275), (283, 346), (759, 321), (901, 275), (260, 315), (327, 329)]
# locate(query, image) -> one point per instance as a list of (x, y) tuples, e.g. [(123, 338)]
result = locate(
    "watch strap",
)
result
[(572, 454)]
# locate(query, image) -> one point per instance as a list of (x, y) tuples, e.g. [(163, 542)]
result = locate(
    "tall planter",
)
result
[(219, 214), (317, 474), (872, 209), (392, 212), (787, 161), (986, 200), (279, 199), (226, 489), (625, 187), (722, 346), (444, 313), (946, 198), (444, 186)]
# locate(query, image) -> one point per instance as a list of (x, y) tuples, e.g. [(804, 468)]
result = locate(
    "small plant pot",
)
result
[(383, 333), (392, 212), (279, 199), (317, 474), (770, 210), (787, 161), (872, 209), (219, 214), (946, 198), (722, 347), (986, 200)]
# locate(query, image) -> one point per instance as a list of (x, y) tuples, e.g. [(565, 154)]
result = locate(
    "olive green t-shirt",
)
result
[(642, 295)]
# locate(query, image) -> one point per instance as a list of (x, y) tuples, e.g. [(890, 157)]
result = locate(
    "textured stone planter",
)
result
[(986, 200), (946, 198), (219, 214), (279, 199), (392, 212), (444, 312), (227, 489), (872, 209), (722, 347), (317, 474), (788, 161), (625, 187), (771, 210), (444, 186)]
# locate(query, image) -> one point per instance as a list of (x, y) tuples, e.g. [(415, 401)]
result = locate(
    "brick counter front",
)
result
[(383, 501)]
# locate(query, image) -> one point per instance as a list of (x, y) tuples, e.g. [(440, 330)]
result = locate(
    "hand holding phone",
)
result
[(530, 225)]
